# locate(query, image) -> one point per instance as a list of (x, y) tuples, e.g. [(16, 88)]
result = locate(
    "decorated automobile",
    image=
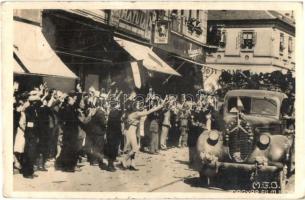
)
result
[(258, 138)]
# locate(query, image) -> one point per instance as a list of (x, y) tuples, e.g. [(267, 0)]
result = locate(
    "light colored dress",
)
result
[(141, 125), (165, 129), (20, 140), (131, 133), (131, 139)]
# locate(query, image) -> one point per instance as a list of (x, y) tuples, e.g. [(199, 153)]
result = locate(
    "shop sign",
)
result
[(194, 51), (161, 32), (186, 48), (138, 22)]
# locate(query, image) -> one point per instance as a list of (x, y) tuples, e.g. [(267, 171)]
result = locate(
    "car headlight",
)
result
[(264, 141), (213, 137)]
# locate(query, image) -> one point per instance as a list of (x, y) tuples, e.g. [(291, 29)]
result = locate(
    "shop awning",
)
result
[(189, 60), (35, 53), (17, 68), (151, 61)]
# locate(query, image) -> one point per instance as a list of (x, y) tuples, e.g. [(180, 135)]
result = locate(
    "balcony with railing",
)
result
[(193, 28)]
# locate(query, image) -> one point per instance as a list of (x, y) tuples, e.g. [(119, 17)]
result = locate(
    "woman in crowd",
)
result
[(20, 123), (133, 117)]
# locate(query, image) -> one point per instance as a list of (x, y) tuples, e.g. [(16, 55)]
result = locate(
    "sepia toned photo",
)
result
[(153, 100)]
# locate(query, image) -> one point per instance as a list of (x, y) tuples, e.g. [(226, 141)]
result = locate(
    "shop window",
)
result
[(290, 45), (282, 42), (248, 40)]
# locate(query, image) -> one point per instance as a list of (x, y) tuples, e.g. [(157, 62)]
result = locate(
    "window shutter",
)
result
[(239, 40), (254, 38), (225, 37), (292, 45)]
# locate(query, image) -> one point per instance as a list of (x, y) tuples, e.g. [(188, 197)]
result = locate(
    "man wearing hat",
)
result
[(31, 134), (96, 130)]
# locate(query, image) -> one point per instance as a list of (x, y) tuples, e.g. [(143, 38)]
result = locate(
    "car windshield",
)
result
[(250, 105)]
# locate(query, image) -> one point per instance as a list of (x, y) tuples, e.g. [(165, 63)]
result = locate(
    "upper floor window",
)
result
[(175, 23), (248, 40), (161, 14), (282, 42), (174, 13), (290, 45), (222, 39), (194, 23), (190, 14)]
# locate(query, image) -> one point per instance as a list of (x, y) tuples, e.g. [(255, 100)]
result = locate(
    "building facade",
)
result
[(138, 48), (183, 46), (259, 41)]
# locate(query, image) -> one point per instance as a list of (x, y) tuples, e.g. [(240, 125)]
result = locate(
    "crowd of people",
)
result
[(100, 126)]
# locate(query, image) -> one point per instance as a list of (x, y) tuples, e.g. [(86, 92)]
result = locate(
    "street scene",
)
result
[(161, 175), (154, 101)]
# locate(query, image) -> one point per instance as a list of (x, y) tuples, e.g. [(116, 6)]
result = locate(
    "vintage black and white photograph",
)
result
[(153, 100)]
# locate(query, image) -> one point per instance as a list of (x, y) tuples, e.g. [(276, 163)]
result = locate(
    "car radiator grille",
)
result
[(240, 145)]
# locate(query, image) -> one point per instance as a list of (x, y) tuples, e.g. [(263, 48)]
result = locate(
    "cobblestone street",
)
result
[(166, 172), (154, 172)]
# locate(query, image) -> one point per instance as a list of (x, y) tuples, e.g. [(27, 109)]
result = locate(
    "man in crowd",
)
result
[(114, 135), (31, 134), (96, 129)]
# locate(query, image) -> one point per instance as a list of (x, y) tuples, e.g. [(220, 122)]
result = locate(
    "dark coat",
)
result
[(195, 128), (70, 149), (155, 121), (95, 127), (45, 126), (114, 133), (114, 122), (31, 139), (97, 124)]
